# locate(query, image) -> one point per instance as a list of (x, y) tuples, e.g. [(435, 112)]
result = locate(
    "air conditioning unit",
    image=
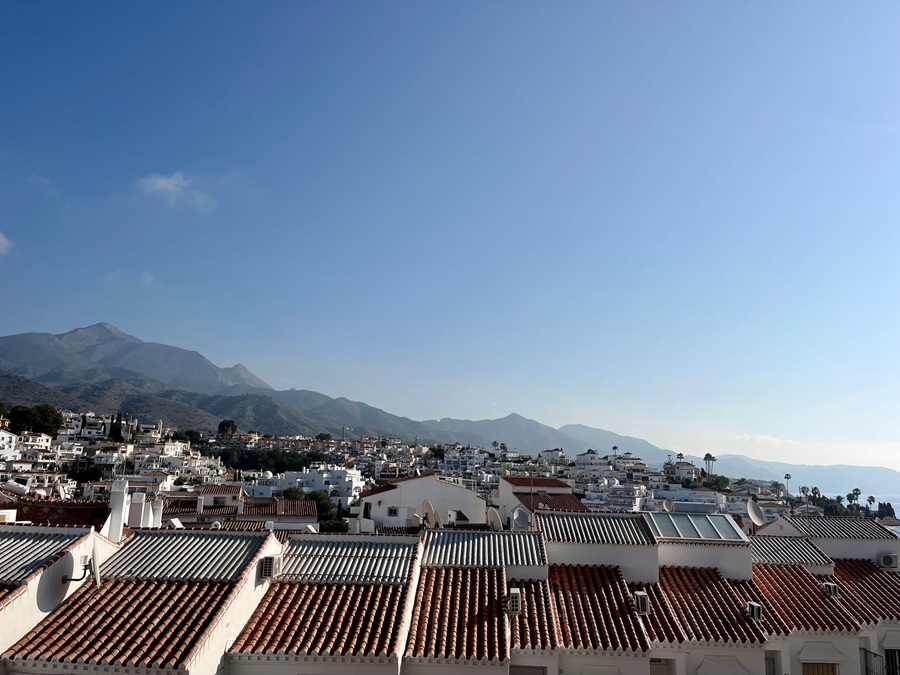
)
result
[(515, 601), (890, 560), (641, 602), (754, 610), (832, 589), (269, 567)]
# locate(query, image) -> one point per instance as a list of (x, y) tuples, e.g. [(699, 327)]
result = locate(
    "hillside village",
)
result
[(374, 553)]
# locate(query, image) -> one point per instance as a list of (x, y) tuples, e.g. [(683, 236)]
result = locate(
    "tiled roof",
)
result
[(462, 548), (534, 501), (697, 604), (376, 490), (399, 529), (527, 481), (801, 600), (24, 549), (595, 609), (867, 591), (458, 614), (180, 506), (221, 490), (349, 558), (334, 619), (787, 550), (126, 622), (220, 510), (300, 507), (537, 625), (837, 527), (596, 528), (261, 507), (69, 512), (185, 554), (771, 622), (715, 528)]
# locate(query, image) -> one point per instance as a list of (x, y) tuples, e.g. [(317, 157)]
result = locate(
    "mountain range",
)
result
[(103, 369)]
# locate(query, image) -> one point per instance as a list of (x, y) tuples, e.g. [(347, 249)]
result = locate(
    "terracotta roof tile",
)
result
[(261, 507), (221, 490), (550, 502), (595, 609), (458, 614), (300, 507), (376, 490), (527, 481), (335, 619), (126, 622), (698, 604), (870, 593), (771, 622), (537, 625), (801, 600)]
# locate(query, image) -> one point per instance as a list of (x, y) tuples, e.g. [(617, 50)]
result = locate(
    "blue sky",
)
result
[(677, 221)]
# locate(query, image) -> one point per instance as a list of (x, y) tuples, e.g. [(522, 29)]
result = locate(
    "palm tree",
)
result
[(816, 493), (680, 456), (805, 492), (776, 488), (787, 484), (869, 501), (709, 459)]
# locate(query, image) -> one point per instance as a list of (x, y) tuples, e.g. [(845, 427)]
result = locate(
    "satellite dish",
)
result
[(216, 526), (430, 515), (520, 518), (668, 505), (494, 520), (755, 513)]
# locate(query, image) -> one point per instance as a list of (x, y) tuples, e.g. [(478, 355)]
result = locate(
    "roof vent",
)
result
[(269, 567), (832, 589), (515, 601), (754, 609), (641, 602), (890, 561)]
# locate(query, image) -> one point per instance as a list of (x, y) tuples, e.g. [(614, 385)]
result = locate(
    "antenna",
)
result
[(494, 520), (520, 518), (755, 513)]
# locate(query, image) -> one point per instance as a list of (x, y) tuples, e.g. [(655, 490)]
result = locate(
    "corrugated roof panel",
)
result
[(837, 527), (24, 549), (596, 528), (483, 549), (786, 550), (695, 527), (354, 559), (181, 554)]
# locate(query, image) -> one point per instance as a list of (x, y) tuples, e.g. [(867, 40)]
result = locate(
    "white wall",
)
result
[(733, 561), (638, 563)]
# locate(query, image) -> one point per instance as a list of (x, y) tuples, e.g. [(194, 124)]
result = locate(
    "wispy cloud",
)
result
[(176, 189), (148, 280), (5, 245)]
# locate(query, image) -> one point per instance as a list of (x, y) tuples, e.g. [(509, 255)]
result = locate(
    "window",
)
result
[(892, 662), (393, 512), (819, 669), (218, 501)]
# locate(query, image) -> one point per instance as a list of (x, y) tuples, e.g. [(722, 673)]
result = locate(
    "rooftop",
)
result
[(787, 550), (838, 527), (596, 528), (350, 558), (465, 548), (185, 554), (713, 528)]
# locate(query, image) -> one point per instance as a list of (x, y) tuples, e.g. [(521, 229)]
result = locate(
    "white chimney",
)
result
[(119, 507), (136, 512), (157, 513), (199, 504)]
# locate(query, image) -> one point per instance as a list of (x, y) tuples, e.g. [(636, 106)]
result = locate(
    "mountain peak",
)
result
[(97, 334)]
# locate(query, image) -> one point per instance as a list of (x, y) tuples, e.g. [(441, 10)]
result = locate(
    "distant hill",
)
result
[(102, 352), (100, 368)]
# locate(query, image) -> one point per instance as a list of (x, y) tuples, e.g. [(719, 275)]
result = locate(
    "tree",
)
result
[(869, 501), (816, 493), (324, 505), (709, 459), (787, 484), (41, 419), (293, 493), (227, 428), (323, 437), (679, 456), (115, 429), (2, 408)]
